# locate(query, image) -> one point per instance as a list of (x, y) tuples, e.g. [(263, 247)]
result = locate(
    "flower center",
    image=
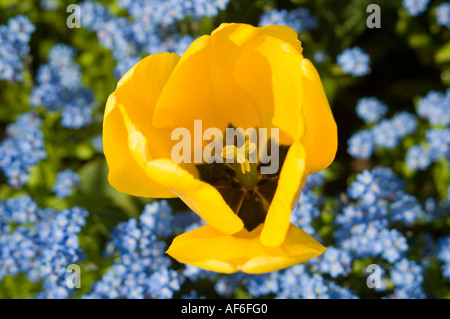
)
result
[(246, 172), (241, 184)]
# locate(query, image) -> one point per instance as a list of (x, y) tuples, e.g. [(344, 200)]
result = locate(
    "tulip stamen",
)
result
[(246, 172)]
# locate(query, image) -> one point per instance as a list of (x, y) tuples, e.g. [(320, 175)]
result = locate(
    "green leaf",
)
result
[(94, 186)]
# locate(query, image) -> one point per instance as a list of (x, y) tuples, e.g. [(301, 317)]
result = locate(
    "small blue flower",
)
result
[(418, 157), (354, 61), (41, 245), (443, 14), (163, 283), (407, 293), (299, 19), (439, 143), (406, 210), (263, 285), (444, 249), (49, 5), (195, 273), (97, 143), (157, 218), (361, 144), (141, 268), (407, 274), (415, 7), (14, 43), (226, 285), (315, 180), (65, 183), (379, 183), (76, 116), (59, 87), (404, 123), (95, 15), (395, 245), (320, 56), (334, 261), (435, 107), (305, 211), (370, 109), (22, 148), (385, 134)]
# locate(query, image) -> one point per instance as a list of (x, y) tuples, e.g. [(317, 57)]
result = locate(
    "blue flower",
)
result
[(435, 107), (361, 144), (406, 210), (97, 144), (151, 29), (415, 7), (59, 87), (299, 19), (263, 285), (418, 157), (407, 274), (14, 43), (49, 5), (141, 268), (95, 15), (354, 61), (334, 262), (193, 294), (443, 14), (407, 293), (395, 245), (370, 109), (439, 143), (65, 182), (226, 285), (379, 183), (305, 211), (404, 123), (22, 148), (320, 56), (385, 134), (76, 116), (42, 245), (314, 180), (195, 273), (21, 210), (317, 287), (163, 283), (443, 254), (157, 218)]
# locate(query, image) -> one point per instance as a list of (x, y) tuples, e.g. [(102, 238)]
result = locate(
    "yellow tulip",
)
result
[(246, 77)]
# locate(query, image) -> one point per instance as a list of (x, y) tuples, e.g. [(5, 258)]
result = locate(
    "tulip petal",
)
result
[(129, 109), (292, 178), (240, 75), (269, 70), (125, 174), (202, 85), (320, 139), (207, 248), (201, 197)]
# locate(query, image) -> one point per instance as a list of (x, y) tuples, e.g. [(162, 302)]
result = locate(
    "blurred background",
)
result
[(385, 201)]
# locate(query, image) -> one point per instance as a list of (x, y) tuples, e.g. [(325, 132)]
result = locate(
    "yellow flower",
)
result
[(240, 76)]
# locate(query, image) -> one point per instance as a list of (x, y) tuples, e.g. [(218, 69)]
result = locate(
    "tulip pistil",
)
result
[(246, 172), (241, 184)]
